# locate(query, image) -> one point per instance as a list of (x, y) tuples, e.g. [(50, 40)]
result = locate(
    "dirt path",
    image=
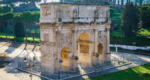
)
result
[(29, 47)]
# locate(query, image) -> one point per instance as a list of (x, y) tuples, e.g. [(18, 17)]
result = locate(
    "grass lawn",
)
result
[(136, 73), (20, 39), (145, 31), (117, 17), (141, 40)]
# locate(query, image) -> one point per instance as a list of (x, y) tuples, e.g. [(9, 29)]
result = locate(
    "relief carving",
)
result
[(75, 13), (59, 13), (65, 11), (84, 49), (66, 40), (46, 37), (46, 11), (96, 13), (100, 49)]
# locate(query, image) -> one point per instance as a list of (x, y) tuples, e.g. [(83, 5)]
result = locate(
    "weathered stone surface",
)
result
[(65, 41), (50, 13)]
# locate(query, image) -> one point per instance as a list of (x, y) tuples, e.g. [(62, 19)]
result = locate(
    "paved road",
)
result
[(10, 73)]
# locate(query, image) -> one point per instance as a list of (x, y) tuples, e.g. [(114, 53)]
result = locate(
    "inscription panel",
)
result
[(84, 49)]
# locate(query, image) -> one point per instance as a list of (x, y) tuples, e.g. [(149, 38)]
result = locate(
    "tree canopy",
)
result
[(5, 9), (77, 1), (17, 17), (93, 1), (14, 1)]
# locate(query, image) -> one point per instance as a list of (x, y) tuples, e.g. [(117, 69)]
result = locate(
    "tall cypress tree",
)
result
[(130, 20)]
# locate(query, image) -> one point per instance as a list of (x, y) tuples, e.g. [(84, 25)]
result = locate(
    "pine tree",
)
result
[(130, 20)]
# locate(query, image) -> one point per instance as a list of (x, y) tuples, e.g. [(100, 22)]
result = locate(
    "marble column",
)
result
[(96, 45), (72, 62), (60, 66), (59, 47), (75, 42), (75, 49), (108, 42)]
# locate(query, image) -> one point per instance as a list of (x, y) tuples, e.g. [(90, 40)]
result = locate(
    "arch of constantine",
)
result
[(73, 34)]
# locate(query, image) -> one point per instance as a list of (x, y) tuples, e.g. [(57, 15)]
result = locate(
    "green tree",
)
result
[(112, 12), (6, 9), (9, 17), (9, 2), (145, 16), (3, 19), (36, 16), (130, 20), (27, 20), (106, 3), (77, 1), (18, 25), (98, 2), (4, 16), (19, 29)]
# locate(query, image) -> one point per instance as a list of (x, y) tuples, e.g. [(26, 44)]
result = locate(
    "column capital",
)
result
[(94, 26), (58, 29), (73, 30)]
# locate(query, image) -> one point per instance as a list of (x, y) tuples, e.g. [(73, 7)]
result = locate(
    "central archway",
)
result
[(84, 49), (66, 59)]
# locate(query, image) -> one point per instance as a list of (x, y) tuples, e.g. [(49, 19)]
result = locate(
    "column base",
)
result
[(77, 69), (60, 71)]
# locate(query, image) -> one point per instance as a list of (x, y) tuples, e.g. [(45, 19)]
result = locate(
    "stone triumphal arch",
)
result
[(73, 34)]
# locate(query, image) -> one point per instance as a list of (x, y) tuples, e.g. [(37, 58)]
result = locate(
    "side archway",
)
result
[(84, 49), (100, 52), (65, 52)]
